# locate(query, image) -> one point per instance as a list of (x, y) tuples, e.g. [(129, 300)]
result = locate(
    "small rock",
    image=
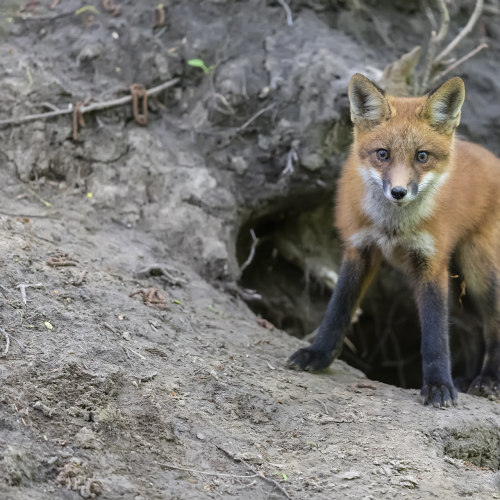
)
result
[(239, 164), (147, 378), (43, 408), (408, 481), (87, 439), (312, 161), (182, 403), (264, 92), (126, 335), (350, 475), (200, 436)]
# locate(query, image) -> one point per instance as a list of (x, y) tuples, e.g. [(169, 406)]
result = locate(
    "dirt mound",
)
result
[(121, 383)]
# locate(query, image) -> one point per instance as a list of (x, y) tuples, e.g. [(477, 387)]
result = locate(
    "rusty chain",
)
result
[(159, 16), (110, 6), (77, 119), (138, 91)]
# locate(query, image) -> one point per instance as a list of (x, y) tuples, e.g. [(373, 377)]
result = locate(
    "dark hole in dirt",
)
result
[(289, 283)]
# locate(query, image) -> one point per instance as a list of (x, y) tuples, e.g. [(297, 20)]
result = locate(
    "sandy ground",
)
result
[(107, 392), (102, 393)]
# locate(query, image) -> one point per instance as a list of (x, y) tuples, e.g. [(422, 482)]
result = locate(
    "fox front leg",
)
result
[(432, 300), (357, 270)]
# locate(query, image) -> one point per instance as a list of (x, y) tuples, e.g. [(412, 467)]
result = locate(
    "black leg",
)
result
[(357, 270), (432, 301), (488, 382)]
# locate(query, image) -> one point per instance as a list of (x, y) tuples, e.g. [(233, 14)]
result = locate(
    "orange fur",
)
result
[(413, 194), (465, 212)]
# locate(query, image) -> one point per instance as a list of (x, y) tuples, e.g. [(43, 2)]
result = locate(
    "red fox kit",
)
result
[(414, 195)]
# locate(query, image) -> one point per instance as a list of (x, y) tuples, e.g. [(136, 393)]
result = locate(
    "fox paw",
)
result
[(309, 359), (485, 386), (439, 395)]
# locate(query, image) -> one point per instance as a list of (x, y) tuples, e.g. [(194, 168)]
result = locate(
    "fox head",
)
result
[(404, 145)]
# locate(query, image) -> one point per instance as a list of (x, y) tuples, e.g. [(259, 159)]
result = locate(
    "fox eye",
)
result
[(422, 156), (383, 154)]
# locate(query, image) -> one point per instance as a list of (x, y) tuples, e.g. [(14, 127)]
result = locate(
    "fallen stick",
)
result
[(249, 121), (60, 262), (109, 327), (23, 287), (21, 345), (96, 106), (478, 10), (131, 350), (451, 67), (159, 270), (45, 17), (208, 473), (26, 216), (269, 480), (289, 18), (255, 242), (324, 405)]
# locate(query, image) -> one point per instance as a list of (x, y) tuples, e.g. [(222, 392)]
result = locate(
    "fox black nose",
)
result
[(398, 192)]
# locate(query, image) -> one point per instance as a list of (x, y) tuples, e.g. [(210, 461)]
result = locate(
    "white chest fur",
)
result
[(390, 243), (396, 228)]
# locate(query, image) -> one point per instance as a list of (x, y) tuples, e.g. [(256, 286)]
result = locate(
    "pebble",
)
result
[(351, 474)]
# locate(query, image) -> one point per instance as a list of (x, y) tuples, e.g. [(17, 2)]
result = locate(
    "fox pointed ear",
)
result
[(443, 106), (368, 103)]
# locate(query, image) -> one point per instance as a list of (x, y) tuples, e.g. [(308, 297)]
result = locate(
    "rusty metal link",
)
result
[(138, 91), (110, 6), (159, 16), (77, 119)]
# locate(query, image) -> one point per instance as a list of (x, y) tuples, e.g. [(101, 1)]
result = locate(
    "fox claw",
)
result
[(310, 360), (439, 395)]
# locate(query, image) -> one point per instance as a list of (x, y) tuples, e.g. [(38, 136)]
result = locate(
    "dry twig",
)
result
[(96, 106), (255, 242), (23, 287), (451, 67), (152, 297), (109, 327), (436, 39), (250, 120), (264, 323), (159, 270), (158, 352), (60, 262), (19, 343), (289, 18), (478, 9), (323, 404), (269, 480), (131, 350), (400, 76), (364, 385), (208, 473)]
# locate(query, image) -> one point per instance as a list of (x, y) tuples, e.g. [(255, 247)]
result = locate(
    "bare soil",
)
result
[(109, 392), (112, 388)]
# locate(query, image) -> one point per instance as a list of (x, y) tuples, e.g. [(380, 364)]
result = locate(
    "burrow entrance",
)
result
[(290, 279)]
